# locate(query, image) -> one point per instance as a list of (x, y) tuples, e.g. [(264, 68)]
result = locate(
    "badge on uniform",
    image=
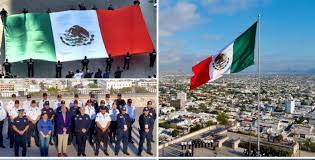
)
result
[(146, 126), (125, 126)]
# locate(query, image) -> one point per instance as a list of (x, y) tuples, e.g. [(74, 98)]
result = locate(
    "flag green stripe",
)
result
[(244, 50), (29, 36)]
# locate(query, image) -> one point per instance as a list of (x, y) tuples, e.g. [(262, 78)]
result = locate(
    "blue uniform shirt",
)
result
[(123, 120)]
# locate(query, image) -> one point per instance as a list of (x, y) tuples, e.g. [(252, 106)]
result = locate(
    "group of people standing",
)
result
[(52, 123)]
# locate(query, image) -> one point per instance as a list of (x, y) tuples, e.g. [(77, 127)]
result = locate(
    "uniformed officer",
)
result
[(41, 102), (76, 97), (152, 112), (13, 113), (136, 2), (27, 103), (127, 61), (131, 110), (20, 127), (4, 15), (90, 110), (88, 74), (113, 112), (102, 104), (109, 62), (3, 116), (146, 124), (94, 103), (108, 103), (58, 69), (85, 63), (7, 66), (118, 72), (98, 74), (110, 7), (82, 7), (123, 123), (119, 101), (30, 67), (103, 121), (152, 58), (33, 115), (57, 103), (7, 108), (24, 11), (74, 110), (82, 125), (51, 116)]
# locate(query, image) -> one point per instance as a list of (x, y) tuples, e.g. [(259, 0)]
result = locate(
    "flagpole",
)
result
[(258, 108)]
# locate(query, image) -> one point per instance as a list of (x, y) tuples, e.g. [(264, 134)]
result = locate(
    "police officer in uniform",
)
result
[(41, 102), (4, 15), (27, 103), (118, 72), (123, 123), (131, 110), (33, 115), (152, 112), (74, 111), (51, 116), (152, 58), (127, 61), (108, 103), (90, 110), (82, 125), (103, 121), (30, 67), (7, 66), (85, 63), (57, 103), (119, 101), (109, 62), (13, 113), (58, 69), (94, 103), (146, 124), (113, 112), (3, 116), (76, 97), (20, 127)]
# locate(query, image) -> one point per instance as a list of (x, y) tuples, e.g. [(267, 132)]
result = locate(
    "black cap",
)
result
[(92, 95), (21, 110), (59, 96), (45, 94), (33, 101), (119, 94), (63, 102), (46, 103), (107, 96), (129, 100), (123, 108), (103, 108), (28, 96), (17, 102), (76, 95), (146, 109)]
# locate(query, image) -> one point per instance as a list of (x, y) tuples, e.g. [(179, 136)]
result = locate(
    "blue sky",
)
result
[(190, 30)]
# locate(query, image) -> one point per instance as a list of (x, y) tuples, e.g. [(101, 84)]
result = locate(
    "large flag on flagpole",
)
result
[(71, 35), (235, 57)]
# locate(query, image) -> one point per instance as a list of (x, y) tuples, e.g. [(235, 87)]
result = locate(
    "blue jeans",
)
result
[(43, 145)]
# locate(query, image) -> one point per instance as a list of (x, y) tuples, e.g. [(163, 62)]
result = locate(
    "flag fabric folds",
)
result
[(71, 35), (233, 58)]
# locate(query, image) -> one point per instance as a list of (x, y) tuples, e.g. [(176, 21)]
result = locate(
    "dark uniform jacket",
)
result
[(82, 122)]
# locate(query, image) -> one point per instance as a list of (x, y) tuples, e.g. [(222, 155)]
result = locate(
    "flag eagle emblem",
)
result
[(221, 61), (77, 36)]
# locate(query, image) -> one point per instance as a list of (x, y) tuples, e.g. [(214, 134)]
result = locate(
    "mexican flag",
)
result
[(233, 58), (71, 35)]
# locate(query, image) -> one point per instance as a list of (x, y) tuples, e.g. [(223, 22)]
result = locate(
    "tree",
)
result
[(222, 118), (175, 133), (165, 125), (92, 85)]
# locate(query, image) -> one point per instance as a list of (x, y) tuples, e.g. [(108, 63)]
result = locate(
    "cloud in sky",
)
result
[(181, 16)]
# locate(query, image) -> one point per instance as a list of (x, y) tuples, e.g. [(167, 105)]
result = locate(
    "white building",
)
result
[(114, 84), (182, 96), (289, 106)]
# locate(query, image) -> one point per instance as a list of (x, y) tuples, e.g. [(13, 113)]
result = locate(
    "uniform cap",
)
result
[(103, 108), (33, 101), (46, 103), (119, 94), (145, 109), (21, 110), (76, 95), (63, 102), (107, 96), (92, 95), (44, 94), (28, 96), (129, 100), (17, 102), (59, 96), (123, 108)]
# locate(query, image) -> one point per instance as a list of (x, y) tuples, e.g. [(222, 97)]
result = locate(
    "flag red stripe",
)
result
[(124, 30), (201, 73)]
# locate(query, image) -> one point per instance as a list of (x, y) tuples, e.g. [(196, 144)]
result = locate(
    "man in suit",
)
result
[(63, 120)]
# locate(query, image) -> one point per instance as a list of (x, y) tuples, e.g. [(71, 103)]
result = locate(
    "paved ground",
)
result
[(175, 150), (72, 149), (139, 67)]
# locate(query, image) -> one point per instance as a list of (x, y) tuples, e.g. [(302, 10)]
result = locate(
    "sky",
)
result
[(191, 30)]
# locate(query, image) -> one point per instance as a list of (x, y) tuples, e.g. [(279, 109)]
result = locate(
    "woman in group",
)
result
[(45, 128), (63, 121)]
